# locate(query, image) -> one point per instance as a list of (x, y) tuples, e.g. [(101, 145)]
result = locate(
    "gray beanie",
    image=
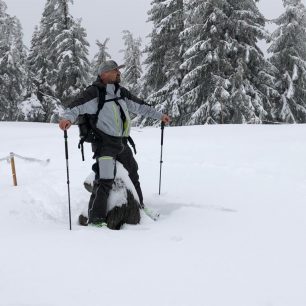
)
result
[(109, 65)]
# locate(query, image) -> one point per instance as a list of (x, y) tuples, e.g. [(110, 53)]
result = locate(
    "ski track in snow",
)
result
[(231, 231)]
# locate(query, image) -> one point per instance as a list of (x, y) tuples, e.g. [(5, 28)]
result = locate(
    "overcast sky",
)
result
[(103, 19)]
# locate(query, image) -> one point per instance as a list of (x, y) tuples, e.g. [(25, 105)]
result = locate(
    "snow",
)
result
[(231, 231), (247, 55), (31, 108), (290, 91), (295, 74)]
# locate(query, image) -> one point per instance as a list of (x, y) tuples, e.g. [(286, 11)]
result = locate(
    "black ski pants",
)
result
[(107, 152)]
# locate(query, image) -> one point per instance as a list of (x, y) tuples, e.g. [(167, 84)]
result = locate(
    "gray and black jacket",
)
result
[(109, 119)]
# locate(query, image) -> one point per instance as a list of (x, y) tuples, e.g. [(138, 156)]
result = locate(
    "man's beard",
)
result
[(117, 81)]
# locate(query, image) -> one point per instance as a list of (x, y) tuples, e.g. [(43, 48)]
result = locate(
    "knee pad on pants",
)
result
[(107, 167)]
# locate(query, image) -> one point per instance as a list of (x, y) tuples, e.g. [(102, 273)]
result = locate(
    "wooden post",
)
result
[(13, 169)]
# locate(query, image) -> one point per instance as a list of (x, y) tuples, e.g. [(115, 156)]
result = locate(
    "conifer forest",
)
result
[(202, 65)]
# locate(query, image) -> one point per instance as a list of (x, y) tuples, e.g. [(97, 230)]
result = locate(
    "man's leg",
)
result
[(128, 161), (126, 157), (97, 209), (106, 152)]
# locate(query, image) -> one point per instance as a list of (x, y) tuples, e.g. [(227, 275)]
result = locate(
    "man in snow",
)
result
[(112, 129)]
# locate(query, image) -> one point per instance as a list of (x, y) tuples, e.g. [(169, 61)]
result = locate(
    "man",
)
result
[(112, 128)]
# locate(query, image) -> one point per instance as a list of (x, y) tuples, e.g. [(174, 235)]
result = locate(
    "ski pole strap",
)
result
[(132, 143)]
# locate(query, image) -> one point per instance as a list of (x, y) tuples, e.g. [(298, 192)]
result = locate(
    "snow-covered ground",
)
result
[(231, 233)]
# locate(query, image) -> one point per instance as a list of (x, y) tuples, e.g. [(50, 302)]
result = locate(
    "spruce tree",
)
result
[(43, 68), (58, 58), (73, 65), (205, 89), (4, 78), (12, 65), (155, 77), (69, 49), (227, 79), (163, 75), (252, 83), (42, 102), (132, 57), (289, 57)]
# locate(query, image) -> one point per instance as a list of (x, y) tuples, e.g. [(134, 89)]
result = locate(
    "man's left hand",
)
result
[(165, 119)]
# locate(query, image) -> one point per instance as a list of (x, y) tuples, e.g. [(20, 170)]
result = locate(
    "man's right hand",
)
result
[(165, 119), (65, 124)]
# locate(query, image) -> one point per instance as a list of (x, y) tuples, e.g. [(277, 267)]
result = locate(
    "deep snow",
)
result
[(231, 232)]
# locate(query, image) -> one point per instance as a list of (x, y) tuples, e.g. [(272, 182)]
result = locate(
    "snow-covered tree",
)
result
[(40, 66), (32, 109), (43, 69), (69, 50), (154, 78), (132, 57), (41, 103), (101, 56), (227, 79), (12, 64), (288, 51), (58, 57), (163, 75), (252, 83), (73, 65), (205, 89)]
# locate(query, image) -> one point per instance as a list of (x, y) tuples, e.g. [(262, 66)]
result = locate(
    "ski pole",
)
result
[(161, 153), (67, 167)]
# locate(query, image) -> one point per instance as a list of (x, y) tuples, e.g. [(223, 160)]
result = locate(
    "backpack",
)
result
[(87, 122)]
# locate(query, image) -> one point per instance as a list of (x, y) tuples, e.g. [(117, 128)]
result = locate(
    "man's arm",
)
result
[(138, 106), (127, 94), (85, 104)]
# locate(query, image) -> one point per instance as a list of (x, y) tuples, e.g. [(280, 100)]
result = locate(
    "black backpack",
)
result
[(87, 122)]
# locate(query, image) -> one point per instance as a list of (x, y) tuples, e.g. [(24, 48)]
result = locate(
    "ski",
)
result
[(151, 213)]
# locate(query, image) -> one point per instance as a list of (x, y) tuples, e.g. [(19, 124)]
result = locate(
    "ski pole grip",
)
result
[(66, 143), (162, 133)]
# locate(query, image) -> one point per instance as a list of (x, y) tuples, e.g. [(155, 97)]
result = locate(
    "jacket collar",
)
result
[(110, 87), (99, 83)]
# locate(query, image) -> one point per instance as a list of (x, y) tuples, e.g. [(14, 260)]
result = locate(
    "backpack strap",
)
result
[(124, 94), (101, 93), (122, 114), (101, 101)]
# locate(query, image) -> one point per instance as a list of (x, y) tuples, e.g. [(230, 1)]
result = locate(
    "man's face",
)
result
[(111, 77)]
